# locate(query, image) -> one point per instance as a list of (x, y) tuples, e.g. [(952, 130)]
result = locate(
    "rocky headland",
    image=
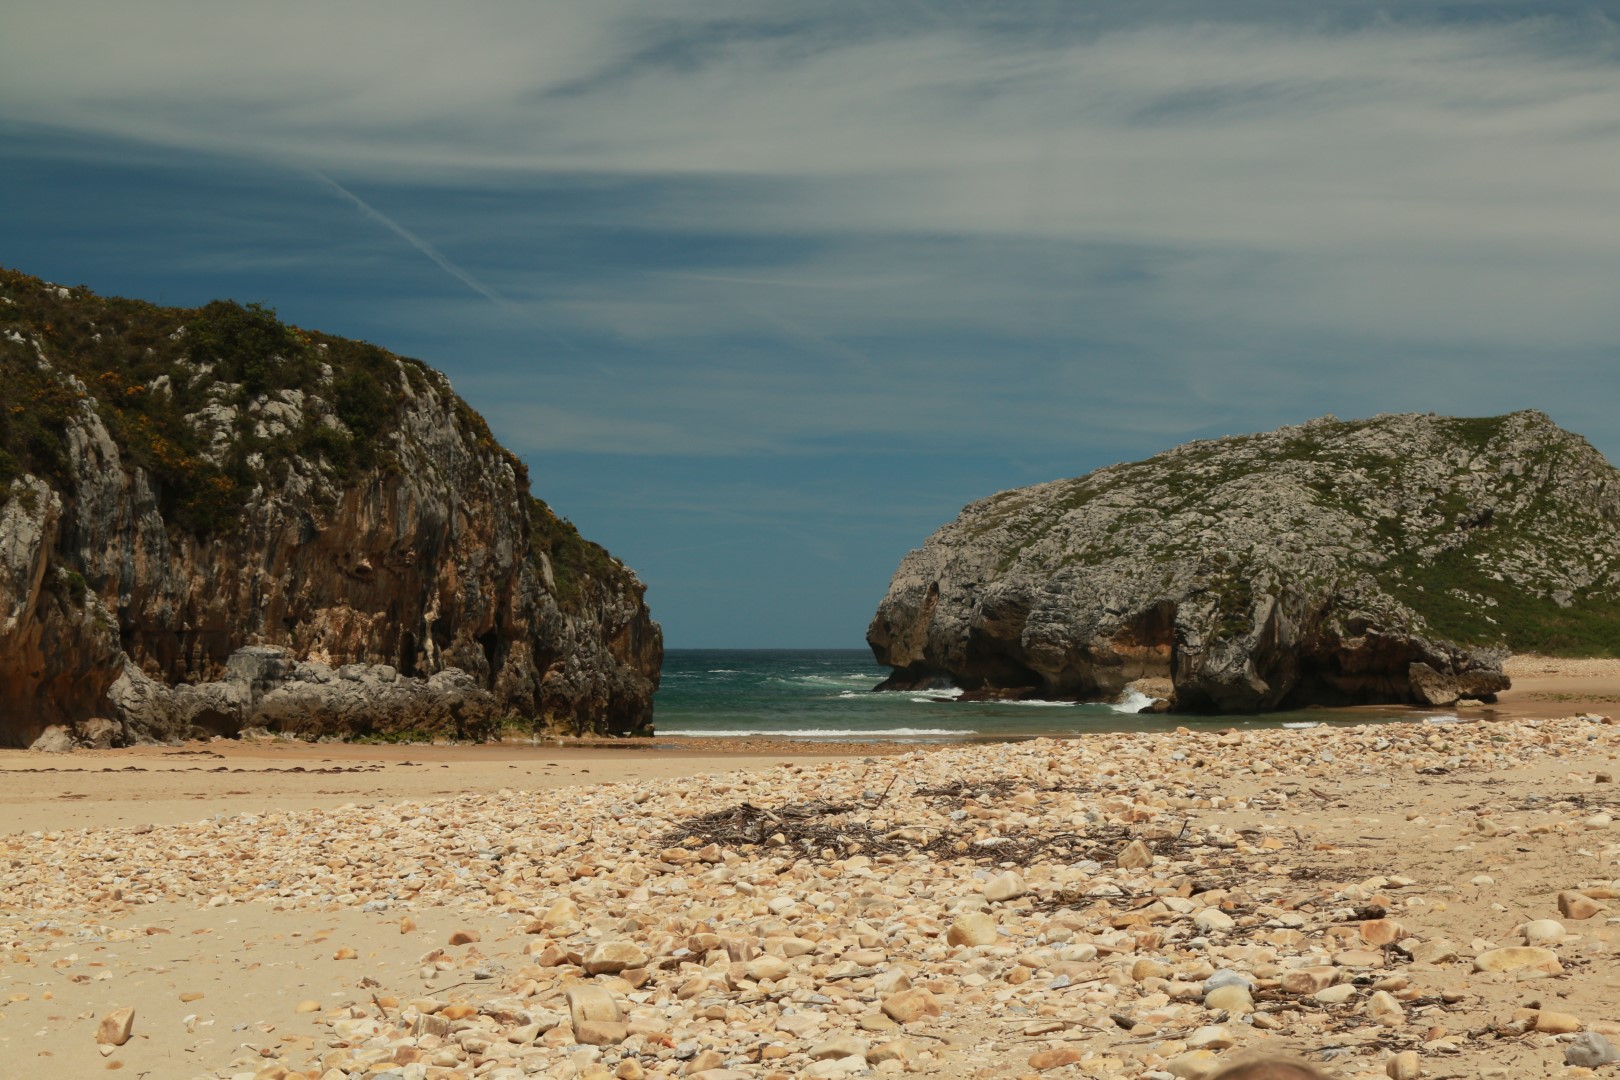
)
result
[(213, 521), (1381, 561)]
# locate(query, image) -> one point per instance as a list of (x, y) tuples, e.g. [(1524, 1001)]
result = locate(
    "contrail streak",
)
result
[(415, 241), (438, 257)]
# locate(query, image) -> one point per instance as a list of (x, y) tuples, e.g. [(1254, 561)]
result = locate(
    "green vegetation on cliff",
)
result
[(1523, 555), (212, 402)]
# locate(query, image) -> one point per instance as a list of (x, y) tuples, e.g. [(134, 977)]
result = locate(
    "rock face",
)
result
[(212, 521), (1390, 560)]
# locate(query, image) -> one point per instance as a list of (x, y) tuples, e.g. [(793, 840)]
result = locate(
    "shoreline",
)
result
[(163, 783)]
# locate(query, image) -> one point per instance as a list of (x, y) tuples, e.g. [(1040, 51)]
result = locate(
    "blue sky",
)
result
[(765, 293)]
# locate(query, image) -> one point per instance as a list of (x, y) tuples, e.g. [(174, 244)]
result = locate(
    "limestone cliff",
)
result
[(1376, 561), (180, 485)]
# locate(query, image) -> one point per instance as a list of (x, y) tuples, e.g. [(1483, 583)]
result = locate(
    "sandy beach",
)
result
[(1124, 905)]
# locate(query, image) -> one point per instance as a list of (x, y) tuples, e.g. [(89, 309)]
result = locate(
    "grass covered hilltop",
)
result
[(179, 484), (1393, 559)]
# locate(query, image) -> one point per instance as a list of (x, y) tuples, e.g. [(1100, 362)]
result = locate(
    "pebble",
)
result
[(909, 1006), (1384, 1010), (975, 929), (1007, 886), (1549, 1022), (1515, 957), (1135, 855), (1544, 932), (114, 1028), (1406, 1065), (1043, 1060), (1589, 1050), (1577, 906), (1231, 998)]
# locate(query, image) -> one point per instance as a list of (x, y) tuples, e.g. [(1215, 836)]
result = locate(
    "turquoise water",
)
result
[(827, 694)]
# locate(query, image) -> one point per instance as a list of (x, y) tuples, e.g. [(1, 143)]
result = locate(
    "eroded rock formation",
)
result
[(1390, 560), (180, 485)]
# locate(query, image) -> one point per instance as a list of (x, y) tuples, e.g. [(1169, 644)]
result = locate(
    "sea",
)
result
[(827, 694)]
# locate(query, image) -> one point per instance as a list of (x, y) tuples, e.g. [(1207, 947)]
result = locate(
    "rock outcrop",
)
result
[(1390, 560), (182, 485)]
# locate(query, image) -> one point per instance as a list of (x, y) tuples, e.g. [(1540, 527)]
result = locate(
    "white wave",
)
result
[(1035, 704), (1443, 718), (944, 693), (1302, 724), (724, 671), (1134, 701), (818, 733)]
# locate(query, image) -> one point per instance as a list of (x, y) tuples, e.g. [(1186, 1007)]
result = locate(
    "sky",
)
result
[(765, 293)]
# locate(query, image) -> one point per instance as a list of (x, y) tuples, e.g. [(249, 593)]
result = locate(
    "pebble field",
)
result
[(1399, 900)]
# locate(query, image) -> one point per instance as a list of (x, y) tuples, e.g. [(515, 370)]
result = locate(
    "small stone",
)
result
[(1194, 1065), (1578, 906), (600, 1033), (629, 1069), (1213, 920), (1309, 980), (463, 937), (1359, 958), (1233, 998), (1544, 932), (1227, 977), (587, 1002), (406, 924), (800, 1025), (768, 968), (1406, 1065), (1211, 1037), (564, 912), (1588, 1050), (1149, 968), (899, 1050), (841, 1046), (612, 957), (1135, 855), (1384, 1010), (909, 1006), (875, 1021), (191, 995), (1006, 886), (1516, 957), (977, 928), (1436, 951), (1051, 1059), (308, 1005), (345, 953), (115, 1027), (1335, 995), (706, 1060), (1549, 1022), (1381, 931), (891, 982)]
